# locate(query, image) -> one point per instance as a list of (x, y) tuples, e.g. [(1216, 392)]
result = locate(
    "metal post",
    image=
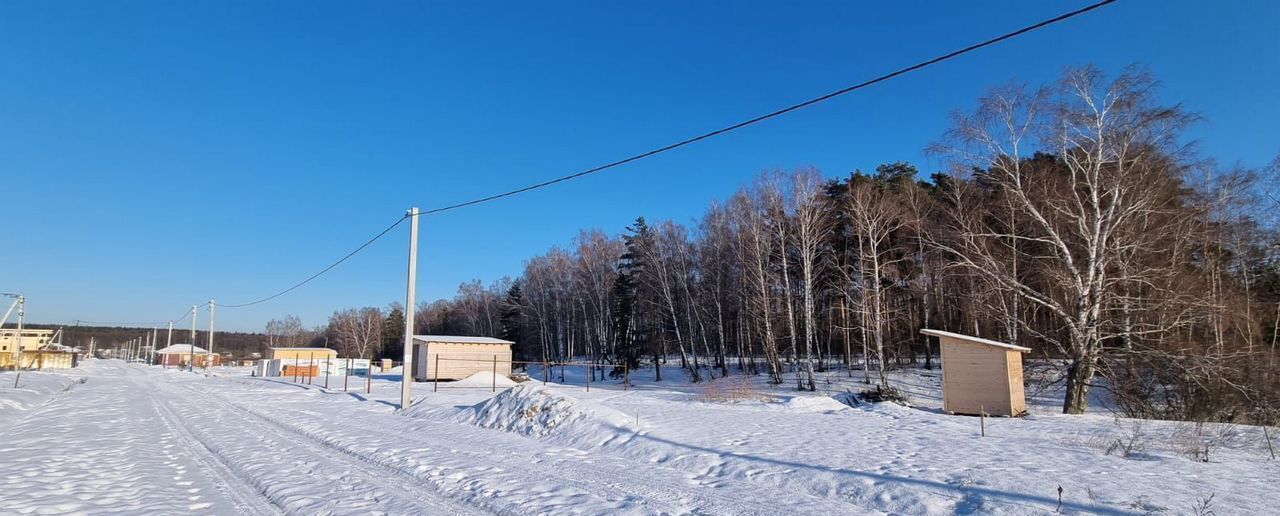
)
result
[(495, 373), (346, 378), (435, 387), (590, 372), (326, 372), (191, 355), (368, 378), (626, 375), (406, 376), (209, 360), (296, 369), (311, 362)]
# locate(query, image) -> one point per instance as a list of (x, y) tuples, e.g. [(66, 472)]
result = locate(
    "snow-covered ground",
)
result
[(144, 440)]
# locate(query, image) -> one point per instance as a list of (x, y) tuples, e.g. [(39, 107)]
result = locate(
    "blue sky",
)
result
[(156, 154)]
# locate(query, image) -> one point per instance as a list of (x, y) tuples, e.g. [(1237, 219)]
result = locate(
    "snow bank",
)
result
[(538, 411), (813, 404), (483, 379), (34, 389)]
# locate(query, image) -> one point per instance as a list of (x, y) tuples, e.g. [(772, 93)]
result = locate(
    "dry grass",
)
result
[(731, 390)]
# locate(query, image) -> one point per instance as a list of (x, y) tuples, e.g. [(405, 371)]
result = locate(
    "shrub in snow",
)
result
[(879, 394), (729, 390)]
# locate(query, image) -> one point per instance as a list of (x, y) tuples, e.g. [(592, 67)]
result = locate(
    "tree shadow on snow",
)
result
[(971, 496)]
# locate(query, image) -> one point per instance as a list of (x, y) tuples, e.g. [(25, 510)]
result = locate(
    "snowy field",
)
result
[(111, 437)]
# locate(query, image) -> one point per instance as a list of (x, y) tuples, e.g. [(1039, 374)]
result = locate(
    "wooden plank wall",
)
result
[(976, 378)]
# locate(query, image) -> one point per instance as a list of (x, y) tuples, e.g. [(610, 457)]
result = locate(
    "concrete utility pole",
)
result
[(209, 362), (91, 354), (169, 341), (191, 351), (406, 373), (151, 355), (17, 349)]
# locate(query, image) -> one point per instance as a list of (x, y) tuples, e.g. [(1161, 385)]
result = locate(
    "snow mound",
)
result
[(484, 379), (814, 404), (536, 410)]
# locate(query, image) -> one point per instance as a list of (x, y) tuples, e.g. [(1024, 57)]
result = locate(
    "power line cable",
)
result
[(322, 271), (694, 139), (776, 113)]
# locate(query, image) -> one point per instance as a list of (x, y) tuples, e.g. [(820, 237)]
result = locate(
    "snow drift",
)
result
[(538, 411), (483, 379)]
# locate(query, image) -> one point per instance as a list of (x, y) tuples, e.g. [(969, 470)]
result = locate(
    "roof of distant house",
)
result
[(459, 339), (181, 348)]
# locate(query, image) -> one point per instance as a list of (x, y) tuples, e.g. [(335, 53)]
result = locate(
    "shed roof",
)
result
[(306, 349), (459, 339), (975, 340), (180, 349)]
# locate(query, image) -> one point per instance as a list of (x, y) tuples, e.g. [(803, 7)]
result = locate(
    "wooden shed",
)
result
[(459, 356), (980, 376)]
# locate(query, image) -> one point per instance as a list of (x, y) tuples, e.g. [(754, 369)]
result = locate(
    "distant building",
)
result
[(31, 339), (458, 357), (35, 350), (183, 354), (303, 354)]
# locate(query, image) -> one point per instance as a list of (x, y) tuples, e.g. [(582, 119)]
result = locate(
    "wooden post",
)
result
[(311, 362), (295, 368), (982, 419), (626, 375), (544, 372), (346, 378), (495, 374), (326, 372), (368, 378), (1266, 434), (435, 387), (590, 372)]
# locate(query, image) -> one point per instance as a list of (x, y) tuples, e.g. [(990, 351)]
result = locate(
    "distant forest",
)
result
[(235, 344)]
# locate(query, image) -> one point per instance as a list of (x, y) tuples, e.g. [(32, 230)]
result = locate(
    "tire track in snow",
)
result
[(658, 489), (229, 477), (385, 486)]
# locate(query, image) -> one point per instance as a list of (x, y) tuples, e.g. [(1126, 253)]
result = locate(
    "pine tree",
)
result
[(512, 319)]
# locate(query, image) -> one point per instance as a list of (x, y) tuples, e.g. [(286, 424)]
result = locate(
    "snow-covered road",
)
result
[(135, 439)]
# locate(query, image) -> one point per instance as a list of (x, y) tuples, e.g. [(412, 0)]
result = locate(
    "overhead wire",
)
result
[(688, 141), (776, 113)]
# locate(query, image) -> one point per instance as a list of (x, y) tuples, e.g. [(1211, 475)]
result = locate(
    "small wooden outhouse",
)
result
[(980, 376), (458, 357)]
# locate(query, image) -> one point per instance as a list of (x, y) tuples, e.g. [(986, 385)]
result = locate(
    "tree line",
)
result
[(1072, 218)]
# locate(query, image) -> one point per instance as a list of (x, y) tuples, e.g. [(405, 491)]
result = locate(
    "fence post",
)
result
[(311, 362), (346, 377), (326, 372), (495, 374), (626, 375), (544, 372), (295, 367), (435, 387), (590, 372), (368, 378)]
